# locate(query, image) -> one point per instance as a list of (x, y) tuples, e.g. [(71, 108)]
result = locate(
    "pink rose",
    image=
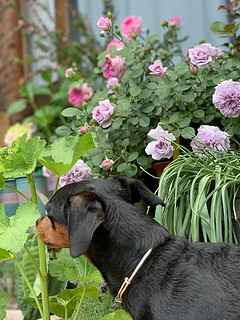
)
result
[(202, 55), (161, 148), (131, 25), (111, 83), (193, 70), (104, 23), (106, 164), (78, 95), (115, 43), (157, 68), (69, 73), (114, 67), (83, 130), (46, 172), (175, 21), (80, 171), (102, 113)]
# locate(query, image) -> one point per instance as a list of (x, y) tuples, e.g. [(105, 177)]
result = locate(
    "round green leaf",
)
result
[(185, 122), (121, 167), (198, 113), (131, 170), (71, 112), (133, 156), (17, 106), (63, 131), (136, 73)]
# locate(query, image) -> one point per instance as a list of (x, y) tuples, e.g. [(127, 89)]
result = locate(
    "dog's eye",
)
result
[(52, 222)]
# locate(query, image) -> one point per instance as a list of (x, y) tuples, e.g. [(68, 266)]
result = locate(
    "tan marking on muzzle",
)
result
[(55, 238)]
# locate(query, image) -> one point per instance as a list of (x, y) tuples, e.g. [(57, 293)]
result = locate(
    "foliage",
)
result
[(180, 101), (199, 190), (21, 159)]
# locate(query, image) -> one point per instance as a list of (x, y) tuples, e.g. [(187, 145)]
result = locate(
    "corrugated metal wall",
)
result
[(196, 15)]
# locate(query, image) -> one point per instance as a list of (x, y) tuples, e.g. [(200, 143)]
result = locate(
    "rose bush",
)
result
[(146, 89)]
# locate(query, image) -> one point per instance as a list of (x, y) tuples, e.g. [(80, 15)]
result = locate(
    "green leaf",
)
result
[(71, 112), (65, 300), (174, 117), (5, 255), (143, 161), (146, 93), (144, 121), (122, 167), (63, 131), (14, 230), (21, 158), (17, 106), (118, 315), (135, 91), (67, 268), (189, 96), (133, 156), (47, 76), (131, 170), (164, 91), (181, 68), (3, 301), (198, 114), (61, 156), (2, 182), (152, 85), (137, 72), (185, 122), (188, 133)]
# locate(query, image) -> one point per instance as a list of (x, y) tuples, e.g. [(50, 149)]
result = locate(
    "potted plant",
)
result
[(200, 190)]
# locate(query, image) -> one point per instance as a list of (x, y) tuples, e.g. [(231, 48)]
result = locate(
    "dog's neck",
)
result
[(117, 249)]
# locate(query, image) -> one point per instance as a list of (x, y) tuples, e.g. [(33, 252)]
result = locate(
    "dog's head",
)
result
[(76, 210)]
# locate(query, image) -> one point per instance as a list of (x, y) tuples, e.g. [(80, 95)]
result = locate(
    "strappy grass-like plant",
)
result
[(200, 191)]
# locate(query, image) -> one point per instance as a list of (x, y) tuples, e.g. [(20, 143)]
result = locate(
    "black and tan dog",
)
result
[(177, 281)]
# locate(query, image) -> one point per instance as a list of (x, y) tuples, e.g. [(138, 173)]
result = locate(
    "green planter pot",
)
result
[(9, 198), (12, 200)]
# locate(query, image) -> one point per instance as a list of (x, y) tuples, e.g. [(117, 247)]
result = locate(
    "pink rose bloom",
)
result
[(193, 70), (106, 164), (102, 113), (202, 55), (104, 23), (131, 25), (80, 171), (212, 137), (175, 21), (111, 83), (83, 130), (226, 98), (46, 172), (69, 73), (157, 68), (115, 43), (161, 148), (114, 67), (78, 95)]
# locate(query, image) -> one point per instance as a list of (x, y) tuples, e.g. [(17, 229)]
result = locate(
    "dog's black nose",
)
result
[(37, 222)]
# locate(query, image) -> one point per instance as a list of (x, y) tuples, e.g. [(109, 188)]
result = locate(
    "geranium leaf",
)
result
[(67, 268), (21, 158), (61, 156), (14, 230)]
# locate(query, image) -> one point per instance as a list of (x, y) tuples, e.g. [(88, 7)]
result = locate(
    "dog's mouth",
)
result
[(52, 233)]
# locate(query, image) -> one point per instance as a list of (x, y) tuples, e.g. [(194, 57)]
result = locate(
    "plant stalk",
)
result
[(42, 259), (80, 303)]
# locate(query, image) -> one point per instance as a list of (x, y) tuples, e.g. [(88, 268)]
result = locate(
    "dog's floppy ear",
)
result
[(139, 191), (85, 214)]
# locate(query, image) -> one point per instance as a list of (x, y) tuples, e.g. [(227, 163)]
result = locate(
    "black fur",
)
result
[(178, 281)]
